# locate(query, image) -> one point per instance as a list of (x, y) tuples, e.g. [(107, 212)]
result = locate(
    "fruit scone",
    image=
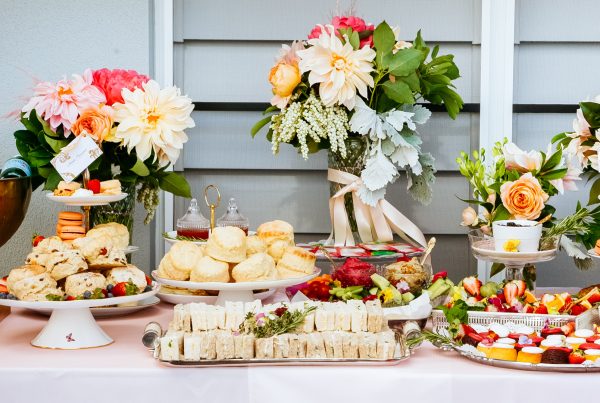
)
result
[(32, 283), (40, 253), (118, 233), (126, 274), (63, 264), (77, 284), (99, 252)]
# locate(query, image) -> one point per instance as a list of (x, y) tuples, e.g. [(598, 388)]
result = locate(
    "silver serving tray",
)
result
[(527, 366)]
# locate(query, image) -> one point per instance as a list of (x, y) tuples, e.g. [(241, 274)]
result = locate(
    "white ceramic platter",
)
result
[(171, 237), (484, 250), (111, 311), (71, 325), (96, 200), (207, 299), (236, 291)]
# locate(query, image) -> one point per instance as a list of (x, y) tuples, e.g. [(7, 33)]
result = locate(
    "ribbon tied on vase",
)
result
[(377, 222)]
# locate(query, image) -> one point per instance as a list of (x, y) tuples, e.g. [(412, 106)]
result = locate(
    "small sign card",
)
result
[(76, 157)]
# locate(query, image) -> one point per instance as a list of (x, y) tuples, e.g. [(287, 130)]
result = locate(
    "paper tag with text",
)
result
[(76, 157)]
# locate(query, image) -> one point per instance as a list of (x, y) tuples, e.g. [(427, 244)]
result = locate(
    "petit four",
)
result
[(110, 187), (556, 355), (530, 354)]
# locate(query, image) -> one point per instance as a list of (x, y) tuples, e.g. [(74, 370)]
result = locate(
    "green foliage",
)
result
[(591, 113), (174, 183)]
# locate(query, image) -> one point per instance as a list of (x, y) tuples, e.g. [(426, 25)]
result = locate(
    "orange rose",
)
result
[(523, 198), (96, 122), (284, 78)]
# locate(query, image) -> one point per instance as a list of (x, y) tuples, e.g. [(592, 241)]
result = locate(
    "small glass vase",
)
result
[(121, 212), (354, 163)]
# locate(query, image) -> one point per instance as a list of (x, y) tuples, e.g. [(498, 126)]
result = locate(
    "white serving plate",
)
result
[(96, 200), (71, 325), (111, 311), (235, 291), (207, 299), (171, 238), (484, 250)]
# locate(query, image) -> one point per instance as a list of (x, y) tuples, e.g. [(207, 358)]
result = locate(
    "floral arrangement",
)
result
[(582, 146), (519, 185), (352, 79), (139, 127)]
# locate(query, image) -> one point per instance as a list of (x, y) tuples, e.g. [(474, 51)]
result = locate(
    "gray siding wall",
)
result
[(557, 54), (223, 53)]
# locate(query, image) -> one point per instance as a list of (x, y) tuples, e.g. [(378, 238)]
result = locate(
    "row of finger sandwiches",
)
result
[(333, 330)]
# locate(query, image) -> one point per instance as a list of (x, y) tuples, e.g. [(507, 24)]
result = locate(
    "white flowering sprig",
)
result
[(308, 124)]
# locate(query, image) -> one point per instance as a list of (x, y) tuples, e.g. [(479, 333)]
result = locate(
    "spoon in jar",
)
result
[(430, 246)]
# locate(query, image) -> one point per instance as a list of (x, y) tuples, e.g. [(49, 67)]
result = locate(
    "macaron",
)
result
[(70, 232), (70, 218)]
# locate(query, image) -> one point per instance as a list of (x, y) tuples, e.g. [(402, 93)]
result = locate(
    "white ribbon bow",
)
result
[(373, 223)]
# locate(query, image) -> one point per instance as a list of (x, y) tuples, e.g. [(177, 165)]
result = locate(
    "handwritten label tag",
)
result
[(76, 157)]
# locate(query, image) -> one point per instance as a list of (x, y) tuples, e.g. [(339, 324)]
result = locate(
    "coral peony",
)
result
[(96, 122), (61, 103), (339, 22), (112, 82), (524, 198)]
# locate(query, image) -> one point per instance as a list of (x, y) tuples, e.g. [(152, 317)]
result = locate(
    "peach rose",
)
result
[(524, 198), (96, 122), (284, 78)]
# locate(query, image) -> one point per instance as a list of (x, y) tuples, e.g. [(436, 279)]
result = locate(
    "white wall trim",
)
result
[(163, 73), (497, 66)]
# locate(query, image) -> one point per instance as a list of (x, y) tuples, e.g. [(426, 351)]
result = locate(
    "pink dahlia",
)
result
[(112, 82), (357, 24), (61, 103)]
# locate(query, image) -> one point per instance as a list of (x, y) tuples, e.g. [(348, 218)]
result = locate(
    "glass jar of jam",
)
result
[(193, 224), (232, 218)]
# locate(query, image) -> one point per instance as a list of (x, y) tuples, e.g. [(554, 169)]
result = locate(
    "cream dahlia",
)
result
[(61, 103), (340, 70), (151, 119)]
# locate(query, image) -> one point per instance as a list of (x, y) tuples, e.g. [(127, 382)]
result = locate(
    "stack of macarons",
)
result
[(70, 225)]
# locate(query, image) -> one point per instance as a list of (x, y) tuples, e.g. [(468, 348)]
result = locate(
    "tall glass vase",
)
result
[(121, 212), (354, 163)]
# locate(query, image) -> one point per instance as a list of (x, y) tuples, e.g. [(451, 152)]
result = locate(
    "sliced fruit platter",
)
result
[(557, 349)]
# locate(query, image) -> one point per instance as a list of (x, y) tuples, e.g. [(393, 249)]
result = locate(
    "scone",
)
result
[(210, 270), (258, 267), (277, 230), (227, 244), (22, 272), (277, 248), (36, 288), (66, 189), (117, 232), (63, 264), (114, 258), (179, 261), (296, 262), (255, 245), (36, 258), (51, 244), (77, 284), (125, 274)]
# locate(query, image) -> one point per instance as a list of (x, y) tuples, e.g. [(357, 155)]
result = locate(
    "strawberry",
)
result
[(576, 357), (464, 330), (472, 285), (588, 346), (511, 292), (578, 309), (439, 274), (594, 298), (3, 288), (500, 294), (568, 328), (94, 185), (593, 338), (473, 339), (529, 308), (521, 287), (36, 239), (541, 310), (148, 280), (122, 289), (70, 298)]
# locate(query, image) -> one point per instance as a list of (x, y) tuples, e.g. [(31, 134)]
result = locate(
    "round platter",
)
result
[(96, 200), (207, 299), (592, 253), (484, 250), (526, 366), (171, 237), (111, 311), (71, 325), (236, 291)]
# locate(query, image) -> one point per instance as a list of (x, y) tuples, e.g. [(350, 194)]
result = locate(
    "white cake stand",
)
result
[(71, 325), (483, 249), (235, 291)]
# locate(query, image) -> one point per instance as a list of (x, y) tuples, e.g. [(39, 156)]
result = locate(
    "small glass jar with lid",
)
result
[(193, 224), (232, 218)]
